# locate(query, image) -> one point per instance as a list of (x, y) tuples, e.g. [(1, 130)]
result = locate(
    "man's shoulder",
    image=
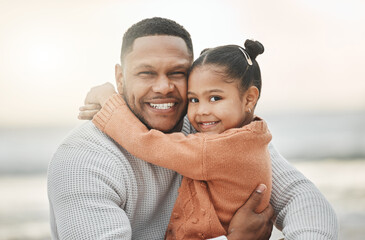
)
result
[(87, 136), (86, 151), (86, 145), (187, 128)]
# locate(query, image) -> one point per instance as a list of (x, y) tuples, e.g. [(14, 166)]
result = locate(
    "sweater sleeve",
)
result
[(86, 196), (302, 211), (175, 151)]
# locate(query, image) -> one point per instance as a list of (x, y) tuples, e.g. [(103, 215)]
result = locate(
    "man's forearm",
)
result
[(302, 211)]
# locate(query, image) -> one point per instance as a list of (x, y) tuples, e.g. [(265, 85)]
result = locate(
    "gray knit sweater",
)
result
[(97, 190)]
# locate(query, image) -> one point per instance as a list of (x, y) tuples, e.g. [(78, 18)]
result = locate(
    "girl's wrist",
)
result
[(105, 97)]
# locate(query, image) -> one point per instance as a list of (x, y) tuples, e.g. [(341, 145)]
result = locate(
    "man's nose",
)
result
[(163, 85)]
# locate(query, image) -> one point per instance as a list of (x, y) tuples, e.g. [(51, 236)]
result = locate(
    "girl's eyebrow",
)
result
[(208, 91), (214, 90)]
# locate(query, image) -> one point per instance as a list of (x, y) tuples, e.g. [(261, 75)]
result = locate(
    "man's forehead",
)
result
[(155, 63), (156, 40), (152, 51)]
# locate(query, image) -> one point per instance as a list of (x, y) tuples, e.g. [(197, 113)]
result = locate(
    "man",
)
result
[(97, 190)]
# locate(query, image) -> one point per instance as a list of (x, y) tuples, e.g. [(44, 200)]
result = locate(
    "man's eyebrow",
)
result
[(144, 66), (180, 66)]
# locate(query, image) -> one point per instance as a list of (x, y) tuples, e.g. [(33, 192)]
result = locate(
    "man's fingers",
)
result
[(255, 199), (269, 213), (269, 231)]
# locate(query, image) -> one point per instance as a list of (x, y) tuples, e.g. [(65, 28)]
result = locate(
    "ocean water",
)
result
[(28, 150), (302, 136), (328, 147), (318, 135)]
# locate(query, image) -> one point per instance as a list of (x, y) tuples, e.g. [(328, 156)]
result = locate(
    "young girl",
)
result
[(225, 161)]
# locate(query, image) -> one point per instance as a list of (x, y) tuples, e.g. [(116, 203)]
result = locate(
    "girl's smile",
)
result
[(216, 103), (208, 125)]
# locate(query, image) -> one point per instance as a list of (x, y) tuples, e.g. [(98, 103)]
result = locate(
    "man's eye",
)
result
[(193, 100), (146, 73), (215, 98), (177, 74)]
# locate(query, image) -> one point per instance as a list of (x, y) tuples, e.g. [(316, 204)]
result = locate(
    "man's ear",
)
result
[(251, 96), (119, 78)]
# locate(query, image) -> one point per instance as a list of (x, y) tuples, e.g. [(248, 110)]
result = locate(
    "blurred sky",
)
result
[(52, 52)]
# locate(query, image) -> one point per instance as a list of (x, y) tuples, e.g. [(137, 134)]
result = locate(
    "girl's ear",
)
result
[(119, 78), (251, 96)]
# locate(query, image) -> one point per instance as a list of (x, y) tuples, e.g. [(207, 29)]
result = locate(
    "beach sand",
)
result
[(343, 184), (24, 203)]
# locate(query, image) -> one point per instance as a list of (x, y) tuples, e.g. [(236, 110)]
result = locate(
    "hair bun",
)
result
[(204, 50), (254, 48)]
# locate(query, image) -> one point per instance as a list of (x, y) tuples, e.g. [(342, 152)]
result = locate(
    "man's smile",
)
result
[(162, 106)]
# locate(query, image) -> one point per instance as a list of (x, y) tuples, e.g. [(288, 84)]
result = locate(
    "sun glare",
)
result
[(44, 57), (49, 48)]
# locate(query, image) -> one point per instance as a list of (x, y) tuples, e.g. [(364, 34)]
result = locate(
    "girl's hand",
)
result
[(95, 100), (88, 111)]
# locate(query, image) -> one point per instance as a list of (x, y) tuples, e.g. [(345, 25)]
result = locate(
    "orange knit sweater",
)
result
[(220, 170)]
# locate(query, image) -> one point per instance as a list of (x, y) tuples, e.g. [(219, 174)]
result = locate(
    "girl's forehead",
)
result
[(206, 78), (211, 68), (210, 72)]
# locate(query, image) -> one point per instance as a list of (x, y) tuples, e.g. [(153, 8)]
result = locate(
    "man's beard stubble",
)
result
[(175, 128)]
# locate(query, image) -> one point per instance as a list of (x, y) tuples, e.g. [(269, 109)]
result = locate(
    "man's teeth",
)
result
[(209, 123), (162, 106)]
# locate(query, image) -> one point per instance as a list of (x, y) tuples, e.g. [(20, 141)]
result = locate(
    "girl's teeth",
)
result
[(210, 123)]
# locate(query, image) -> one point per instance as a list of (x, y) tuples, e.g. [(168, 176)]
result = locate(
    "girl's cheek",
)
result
[(190, 113), (191, 116)]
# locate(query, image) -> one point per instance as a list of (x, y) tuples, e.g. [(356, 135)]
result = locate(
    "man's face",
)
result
[(154, 79)]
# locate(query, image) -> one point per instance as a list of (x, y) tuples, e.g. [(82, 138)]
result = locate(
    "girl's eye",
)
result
[(193, 100), (215, 98)]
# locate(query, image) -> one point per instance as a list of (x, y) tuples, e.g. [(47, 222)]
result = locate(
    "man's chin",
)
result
[(165, 126), (162, 123)]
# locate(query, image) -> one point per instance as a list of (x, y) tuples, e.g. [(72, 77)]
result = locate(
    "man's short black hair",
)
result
[(154, 27)]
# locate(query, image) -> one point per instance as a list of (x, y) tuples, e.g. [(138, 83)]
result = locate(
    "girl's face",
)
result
[(215, 101)]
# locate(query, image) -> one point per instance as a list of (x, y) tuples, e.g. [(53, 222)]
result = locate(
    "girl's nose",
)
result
[(203, 109)]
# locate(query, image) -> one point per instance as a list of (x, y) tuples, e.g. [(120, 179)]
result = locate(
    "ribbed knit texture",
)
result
[(97, 190), (225, 168)]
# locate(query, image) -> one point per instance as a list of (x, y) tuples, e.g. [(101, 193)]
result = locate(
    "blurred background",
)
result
[(313, 97)]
